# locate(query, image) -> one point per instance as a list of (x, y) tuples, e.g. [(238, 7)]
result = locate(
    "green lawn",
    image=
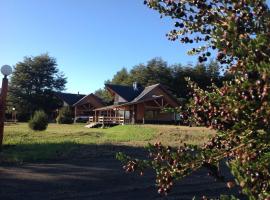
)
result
[(22, 144)]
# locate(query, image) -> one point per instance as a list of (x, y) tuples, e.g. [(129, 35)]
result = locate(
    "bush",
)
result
[(39, 121), (64, 116)]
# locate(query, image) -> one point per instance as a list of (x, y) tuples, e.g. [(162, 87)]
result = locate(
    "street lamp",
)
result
[(14, 114), (6, 70)]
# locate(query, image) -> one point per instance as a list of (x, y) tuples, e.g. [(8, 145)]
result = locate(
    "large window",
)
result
[(121, 113)]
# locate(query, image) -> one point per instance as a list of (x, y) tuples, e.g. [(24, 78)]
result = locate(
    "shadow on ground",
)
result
[(91, 172)]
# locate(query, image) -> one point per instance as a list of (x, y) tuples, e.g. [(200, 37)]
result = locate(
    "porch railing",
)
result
[(108, 120)]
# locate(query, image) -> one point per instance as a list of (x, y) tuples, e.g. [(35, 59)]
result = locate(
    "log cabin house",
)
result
[(82, 106), (86, 106), (136, 104)]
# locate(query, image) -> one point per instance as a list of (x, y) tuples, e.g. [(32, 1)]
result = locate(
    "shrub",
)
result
[(64, 116), (39, 121)]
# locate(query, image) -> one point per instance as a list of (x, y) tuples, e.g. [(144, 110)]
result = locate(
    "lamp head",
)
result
[(6, 70)]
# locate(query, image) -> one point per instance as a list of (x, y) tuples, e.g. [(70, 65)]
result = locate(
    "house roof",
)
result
[(165, 89), (126, 92), (69, 98), (111, 107), (138, 97), (99, 101), (145, 92)]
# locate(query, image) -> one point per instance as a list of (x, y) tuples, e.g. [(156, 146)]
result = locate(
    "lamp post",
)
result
[(5, 70), (14, 114)]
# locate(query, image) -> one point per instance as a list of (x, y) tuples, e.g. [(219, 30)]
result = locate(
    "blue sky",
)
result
[(91, 39)]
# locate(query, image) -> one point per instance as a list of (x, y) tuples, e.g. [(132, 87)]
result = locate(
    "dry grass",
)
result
[(176, 135), (22, 144)]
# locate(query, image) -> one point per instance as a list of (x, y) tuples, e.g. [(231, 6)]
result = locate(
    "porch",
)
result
[(111, 115), (147, 111), (106, 120)]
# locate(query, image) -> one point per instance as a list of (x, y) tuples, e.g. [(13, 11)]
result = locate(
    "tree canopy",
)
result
[(157, 70), (33, 84)]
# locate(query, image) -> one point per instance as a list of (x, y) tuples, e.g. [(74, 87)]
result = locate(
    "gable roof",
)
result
[(141, 95), (145, 92), (111, 107), (69, 98), (96, 98), (133, 96), (126, 92)]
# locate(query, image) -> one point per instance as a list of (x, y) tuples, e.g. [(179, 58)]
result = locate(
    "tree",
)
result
[(33, 84), (239, 110), (104, 94), (121, 77), (155, 71), (65, 116), (138, 74), (39, 122)]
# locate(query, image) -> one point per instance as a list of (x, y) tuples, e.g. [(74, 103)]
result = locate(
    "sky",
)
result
[(90, 39)]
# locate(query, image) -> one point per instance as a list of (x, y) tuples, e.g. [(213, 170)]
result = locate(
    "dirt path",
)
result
[(94, 174)]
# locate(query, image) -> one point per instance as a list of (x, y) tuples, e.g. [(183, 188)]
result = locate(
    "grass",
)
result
[(22, 144)]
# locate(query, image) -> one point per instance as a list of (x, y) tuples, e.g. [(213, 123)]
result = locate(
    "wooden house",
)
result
[(82, 106), (86, 105), (69, 99), (136, 104)]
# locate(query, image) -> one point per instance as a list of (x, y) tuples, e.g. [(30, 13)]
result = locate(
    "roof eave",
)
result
[(126, 104)]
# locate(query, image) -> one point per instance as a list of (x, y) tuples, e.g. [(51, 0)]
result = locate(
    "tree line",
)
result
[(173, 76)]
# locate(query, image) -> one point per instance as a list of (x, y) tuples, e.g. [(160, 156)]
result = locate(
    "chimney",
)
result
[(135, 86), (78, 93)]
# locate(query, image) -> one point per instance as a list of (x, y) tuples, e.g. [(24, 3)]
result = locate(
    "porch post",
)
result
[(124, 116), (75, 114), (133, 114), (144, 108)]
